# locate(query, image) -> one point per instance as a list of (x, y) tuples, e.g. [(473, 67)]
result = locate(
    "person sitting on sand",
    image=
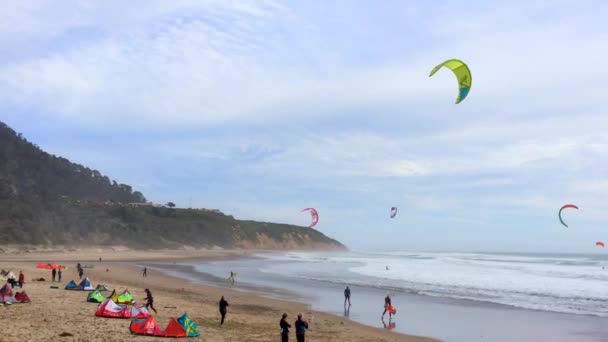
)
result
[(347, 296), (301, 326), (21, 279), (149, 300), (284, 328), (387, 303), (223, 309), (10, 278)]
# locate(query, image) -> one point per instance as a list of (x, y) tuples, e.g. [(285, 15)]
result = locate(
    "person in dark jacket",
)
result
[(59, 273), (301, 326), (81, 272), (347, 296), (284, 328), (54, 273), (149, 300), (223, 309)]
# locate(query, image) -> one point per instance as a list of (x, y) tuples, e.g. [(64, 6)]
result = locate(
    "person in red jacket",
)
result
[(21, 279)]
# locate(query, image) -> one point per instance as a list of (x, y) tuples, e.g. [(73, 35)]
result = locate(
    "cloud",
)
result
[(210, 67)]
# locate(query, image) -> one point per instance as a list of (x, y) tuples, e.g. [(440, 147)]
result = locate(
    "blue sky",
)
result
[(262, 108)]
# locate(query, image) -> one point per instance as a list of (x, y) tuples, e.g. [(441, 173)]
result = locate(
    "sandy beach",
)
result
[(250, 317)]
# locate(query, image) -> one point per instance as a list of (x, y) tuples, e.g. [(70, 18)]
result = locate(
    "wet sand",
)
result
[(250, 317)]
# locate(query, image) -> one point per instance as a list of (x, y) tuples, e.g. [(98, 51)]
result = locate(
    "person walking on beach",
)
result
[(80, 272), (54, 273), (149, 300), (284, 328), (21, 279), (223, 309), (301, 326), (59, 272), (387, 303), (347, 295), (145, 274)]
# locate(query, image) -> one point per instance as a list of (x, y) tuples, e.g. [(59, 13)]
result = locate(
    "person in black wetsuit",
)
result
[(149, 300), (387, 303), (301, 327), (284, 328), (347, 296), (223, 309)]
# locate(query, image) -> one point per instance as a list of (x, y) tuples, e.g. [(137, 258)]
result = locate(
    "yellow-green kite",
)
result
[(463, 75)]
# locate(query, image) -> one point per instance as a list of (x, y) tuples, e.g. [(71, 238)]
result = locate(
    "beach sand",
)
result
[(250, 317)]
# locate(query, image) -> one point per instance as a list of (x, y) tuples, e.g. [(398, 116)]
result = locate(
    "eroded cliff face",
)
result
[(289, 241)]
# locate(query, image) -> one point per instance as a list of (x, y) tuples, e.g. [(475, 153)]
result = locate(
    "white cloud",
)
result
[(179, 69)]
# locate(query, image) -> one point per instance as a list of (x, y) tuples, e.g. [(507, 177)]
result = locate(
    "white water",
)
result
[(558, 283)]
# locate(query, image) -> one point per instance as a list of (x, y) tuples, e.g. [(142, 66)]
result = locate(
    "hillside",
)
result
[(48, 200)]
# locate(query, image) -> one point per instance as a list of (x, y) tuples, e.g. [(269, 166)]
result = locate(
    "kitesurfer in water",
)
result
[(387, 303)]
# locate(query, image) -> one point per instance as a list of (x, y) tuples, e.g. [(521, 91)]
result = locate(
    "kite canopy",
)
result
[(463, 75), (95, 297), (124, 298), (101, 287), (560, 212), (393, 212), (50, 266), (314, 215), (600, 244), (181, 327), (109, 309)]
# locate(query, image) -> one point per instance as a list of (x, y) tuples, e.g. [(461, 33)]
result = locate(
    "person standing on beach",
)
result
[(21, 279), (301, 326), (54, 273), (387, 303), (145, 274), (80, 272), (284, 328), (347, 295), (59, 272), (223, 309), (149, 300)]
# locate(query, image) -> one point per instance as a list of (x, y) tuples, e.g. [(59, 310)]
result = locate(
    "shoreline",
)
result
[(251, 317), (447, 319)]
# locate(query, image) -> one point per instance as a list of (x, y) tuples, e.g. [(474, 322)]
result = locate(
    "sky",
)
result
[(262, 108)]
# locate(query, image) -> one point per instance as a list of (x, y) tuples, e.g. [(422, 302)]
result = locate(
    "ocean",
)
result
[(456, 297), (575, 284)]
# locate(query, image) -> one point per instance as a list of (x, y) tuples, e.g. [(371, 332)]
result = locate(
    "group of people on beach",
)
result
[(388, 307), (300, 326), (12, 279), (57, 273)]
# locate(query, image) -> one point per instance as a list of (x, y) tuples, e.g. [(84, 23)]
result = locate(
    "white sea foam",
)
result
[(573, 284)]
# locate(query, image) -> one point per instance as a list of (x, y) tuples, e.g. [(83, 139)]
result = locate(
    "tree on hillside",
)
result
[(170, 204)]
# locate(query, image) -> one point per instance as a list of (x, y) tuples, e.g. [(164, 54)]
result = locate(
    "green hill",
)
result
[(48, 200)]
